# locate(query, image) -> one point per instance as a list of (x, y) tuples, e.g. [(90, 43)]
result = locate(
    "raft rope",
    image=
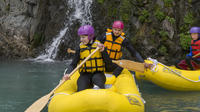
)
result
[(154, 69), (136, 96)]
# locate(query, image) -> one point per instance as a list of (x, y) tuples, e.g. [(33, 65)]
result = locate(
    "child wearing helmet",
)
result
[(192, 60), (114, 39), (92, 72)]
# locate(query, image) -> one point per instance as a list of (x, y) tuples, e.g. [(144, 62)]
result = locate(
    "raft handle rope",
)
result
[(155, 63), (143, 101)]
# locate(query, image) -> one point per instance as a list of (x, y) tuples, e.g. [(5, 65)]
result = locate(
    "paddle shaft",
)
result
[(196, 55), (38, 105)]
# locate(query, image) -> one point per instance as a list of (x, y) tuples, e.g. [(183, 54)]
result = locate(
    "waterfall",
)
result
[(79, 11)]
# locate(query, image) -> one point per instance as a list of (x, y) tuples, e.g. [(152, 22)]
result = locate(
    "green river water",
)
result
[(23, 82)]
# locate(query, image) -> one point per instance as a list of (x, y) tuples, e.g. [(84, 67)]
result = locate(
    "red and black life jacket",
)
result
[(195, 47)]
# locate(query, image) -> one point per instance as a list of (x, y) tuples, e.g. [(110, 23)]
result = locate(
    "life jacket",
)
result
[(114, 48), (195, 47), (95, 63)]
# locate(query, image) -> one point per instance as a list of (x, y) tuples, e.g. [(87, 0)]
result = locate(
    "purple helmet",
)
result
[(118, 24), (86, 30), (195, 30)]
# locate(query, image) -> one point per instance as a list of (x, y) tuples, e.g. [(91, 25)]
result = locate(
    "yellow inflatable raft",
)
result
[(123, 96), (171, 78)]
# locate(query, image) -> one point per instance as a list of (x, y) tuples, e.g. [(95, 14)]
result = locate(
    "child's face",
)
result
[(194, 36), (84, 39), (117, 31)]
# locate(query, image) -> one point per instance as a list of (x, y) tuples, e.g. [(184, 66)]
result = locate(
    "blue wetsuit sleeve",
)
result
[(190, 54)]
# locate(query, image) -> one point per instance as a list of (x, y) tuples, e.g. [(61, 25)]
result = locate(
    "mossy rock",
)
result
[(38, 39)]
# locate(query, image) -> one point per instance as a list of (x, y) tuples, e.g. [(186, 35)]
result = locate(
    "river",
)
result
[(23, 82)]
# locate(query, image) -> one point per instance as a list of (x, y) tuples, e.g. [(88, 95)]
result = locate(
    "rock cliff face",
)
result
[(27, 24), (156, 28)]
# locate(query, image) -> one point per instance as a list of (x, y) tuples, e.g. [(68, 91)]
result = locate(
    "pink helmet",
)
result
[(118, 24), (86, 30)]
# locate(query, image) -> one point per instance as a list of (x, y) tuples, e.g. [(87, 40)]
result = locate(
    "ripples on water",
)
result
[(23, 82)]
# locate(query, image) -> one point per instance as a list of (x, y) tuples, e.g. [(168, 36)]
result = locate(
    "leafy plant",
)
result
[(125, 10), (144, 16), (100, 1), (163, 33), (168, 3), (171, 20), (188, 19), (153, 31), (185, 41), (163, 50), (159, 15)]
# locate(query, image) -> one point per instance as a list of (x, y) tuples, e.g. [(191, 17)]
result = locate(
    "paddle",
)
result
[(196, 55), (38, 105), (130, 65), (69, 50)]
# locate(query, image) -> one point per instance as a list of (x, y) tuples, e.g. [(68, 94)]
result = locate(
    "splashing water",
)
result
[(80, 12)]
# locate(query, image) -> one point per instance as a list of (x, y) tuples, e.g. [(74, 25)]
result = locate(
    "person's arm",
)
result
[(74, 62), (116, 69), (133, 52), (106, 57)]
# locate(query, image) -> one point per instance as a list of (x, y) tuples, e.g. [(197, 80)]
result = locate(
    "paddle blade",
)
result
[(130, 65), (38, 105)]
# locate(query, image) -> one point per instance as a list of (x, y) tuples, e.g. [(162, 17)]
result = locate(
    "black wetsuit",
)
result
[(114, 67)]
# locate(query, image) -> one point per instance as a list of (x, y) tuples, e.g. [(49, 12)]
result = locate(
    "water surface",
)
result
[(23, 82)]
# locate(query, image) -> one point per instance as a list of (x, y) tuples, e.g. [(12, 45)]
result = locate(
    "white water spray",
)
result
[(81, 12)]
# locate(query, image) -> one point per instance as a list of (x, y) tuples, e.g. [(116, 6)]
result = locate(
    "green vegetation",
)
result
[(185, 38), (188, 19), (171, 20), (134, 40), (189, 1), (112, 12), (7, 7), (125, 17), (143, 18), (125, 10), (163, 50), (185, 41), (38, 39), (163, 33), (153, 31), (159, 15), (168, 3), (100, 1)]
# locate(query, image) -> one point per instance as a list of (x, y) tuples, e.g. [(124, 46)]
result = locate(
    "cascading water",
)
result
[(79, 11)]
